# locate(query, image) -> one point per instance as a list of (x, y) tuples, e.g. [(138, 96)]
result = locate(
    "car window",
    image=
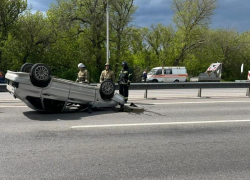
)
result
[(159, 72), (167, 71)]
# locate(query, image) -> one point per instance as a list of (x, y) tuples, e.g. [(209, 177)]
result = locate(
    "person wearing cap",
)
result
[(107, 74), (83, 74), (125, 78)]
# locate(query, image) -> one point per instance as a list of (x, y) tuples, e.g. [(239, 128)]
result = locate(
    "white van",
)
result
[(167, 74)]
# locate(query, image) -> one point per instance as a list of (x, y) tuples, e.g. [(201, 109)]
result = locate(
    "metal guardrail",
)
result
[(177, 85), (189, 85)]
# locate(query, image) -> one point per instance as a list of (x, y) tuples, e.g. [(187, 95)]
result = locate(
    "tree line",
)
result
[(74, 31)]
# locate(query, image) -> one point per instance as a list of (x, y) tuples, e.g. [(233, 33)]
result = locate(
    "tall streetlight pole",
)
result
[(107, 31)]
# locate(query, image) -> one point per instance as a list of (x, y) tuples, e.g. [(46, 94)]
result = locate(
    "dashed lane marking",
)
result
[(12, 106)]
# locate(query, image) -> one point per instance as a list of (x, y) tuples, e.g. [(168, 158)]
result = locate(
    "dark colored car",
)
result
[(2, 78)]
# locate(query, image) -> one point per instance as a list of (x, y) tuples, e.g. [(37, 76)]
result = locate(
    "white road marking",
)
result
[(184, 96), (205, 102), (10, 100), (11, 106), (160, 124)]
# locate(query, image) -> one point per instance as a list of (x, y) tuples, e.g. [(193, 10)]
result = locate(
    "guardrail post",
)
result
[(146, 94), (199, 92), (248, 90)]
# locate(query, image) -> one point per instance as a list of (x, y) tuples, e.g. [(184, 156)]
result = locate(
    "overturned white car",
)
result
[(42, 92)]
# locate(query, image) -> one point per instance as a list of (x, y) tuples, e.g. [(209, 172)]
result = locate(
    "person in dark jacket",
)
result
[(144, 75), (125, 78)]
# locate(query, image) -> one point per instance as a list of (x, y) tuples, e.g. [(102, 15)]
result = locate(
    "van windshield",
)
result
[(152, 71)]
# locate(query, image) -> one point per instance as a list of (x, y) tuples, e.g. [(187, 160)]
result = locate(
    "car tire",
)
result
[(155, 81), (26, 67), (107, 89), (176, 80), (40, 75)]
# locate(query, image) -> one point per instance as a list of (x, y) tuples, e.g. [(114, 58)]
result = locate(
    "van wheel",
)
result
[(154, 80), (176, 80)]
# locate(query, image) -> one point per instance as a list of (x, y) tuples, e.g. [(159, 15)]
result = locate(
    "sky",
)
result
[(232, 14)]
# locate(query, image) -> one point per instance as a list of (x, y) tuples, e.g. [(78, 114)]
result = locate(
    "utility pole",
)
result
[(107, 31)]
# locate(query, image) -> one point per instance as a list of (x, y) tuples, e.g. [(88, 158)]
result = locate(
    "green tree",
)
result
[(229, 47), (86, 17), (160, 41), (9, 13), (121, 12), (191, 17)]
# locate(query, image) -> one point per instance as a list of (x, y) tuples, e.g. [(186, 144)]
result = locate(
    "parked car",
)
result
[(2, 78), (167, 74), (35, 86)]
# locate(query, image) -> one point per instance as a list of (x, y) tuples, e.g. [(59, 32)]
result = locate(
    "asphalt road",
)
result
[(177, 136)]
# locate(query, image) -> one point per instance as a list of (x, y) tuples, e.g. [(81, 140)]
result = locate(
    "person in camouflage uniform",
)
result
[(107, 74), (83, 74)]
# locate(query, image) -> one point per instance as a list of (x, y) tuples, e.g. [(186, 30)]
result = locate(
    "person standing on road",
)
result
[(83, 74), (125, 78), (107, 74), (144, 75)]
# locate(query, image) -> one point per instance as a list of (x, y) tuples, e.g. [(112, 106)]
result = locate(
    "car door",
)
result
[(82, 93), (57, 90)]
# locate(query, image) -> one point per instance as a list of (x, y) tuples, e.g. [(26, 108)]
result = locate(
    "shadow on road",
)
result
[(65, 116), (76, 115)]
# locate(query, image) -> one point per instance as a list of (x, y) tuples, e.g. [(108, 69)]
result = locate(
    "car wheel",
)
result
[(154, 80), (107, 89), (26, 67), (176, 80), (40, 75)]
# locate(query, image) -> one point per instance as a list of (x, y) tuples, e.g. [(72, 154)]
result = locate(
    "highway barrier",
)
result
[(177, 85), (189, 85)]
